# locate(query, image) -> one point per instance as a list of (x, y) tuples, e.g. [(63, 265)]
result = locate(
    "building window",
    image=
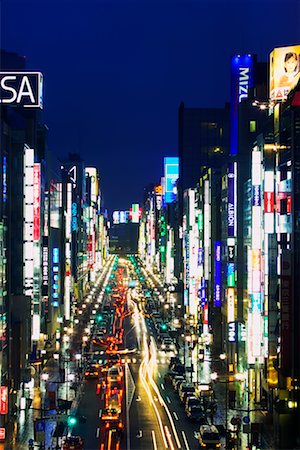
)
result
[(252, 126)]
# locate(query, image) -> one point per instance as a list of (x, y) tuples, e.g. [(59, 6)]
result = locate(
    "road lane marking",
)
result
[(154, 440), (100, 412), (97, 432), (159, 374), (185, 440), (175, 415), (140, 435), (162, 386), (168, 400)]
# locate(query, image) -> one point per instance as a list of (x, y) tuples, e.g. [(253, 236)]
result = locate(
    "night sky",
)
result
[(115, 72)]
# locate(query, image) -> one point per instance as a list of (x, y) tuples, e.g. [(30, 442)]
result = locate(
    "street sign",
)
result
[(2, 434), (246, 419), (39, 430), (57, 417)]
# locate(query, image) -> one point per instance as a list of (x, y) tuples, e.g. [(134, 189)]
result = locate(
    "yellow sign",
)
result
[(284, 71)]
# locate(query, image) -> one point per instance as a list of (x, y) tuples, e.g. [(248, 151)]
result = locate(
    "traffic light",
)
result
[(164, 326), (72, 420), (99, 317)]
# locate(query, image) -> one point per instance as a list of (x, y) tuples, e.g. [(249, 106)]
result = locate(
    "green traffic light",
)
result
[(99, 317), (164, 326), (72, 420)]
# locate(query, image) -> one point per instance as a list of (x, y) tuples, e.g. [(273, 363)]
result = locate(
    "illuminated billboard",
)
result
[(217, 284), (171, 177), (36, 202), (241, 81), (92, 173), (284, 71), (232, 169), (21, 89)]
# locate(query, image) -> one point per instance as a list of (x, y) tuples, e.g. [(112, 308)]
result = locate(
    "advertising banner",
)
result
[(231, 201), (241, 81), (171, 177), (36, 202), (284, 71), (217, 286), (3, 399), (21, 89)]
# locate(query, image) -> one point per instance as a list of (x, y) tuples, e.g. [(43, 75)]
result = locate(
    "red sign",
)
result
[(3, 399), (269, 202), (205, 315), (36, 201), (2, 434)]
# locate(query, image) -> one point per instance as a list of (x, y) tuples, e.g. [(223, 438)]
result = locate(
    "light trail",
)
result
[(143, 369), (154, 440), (152, 364), (109, 440), (169, 437)]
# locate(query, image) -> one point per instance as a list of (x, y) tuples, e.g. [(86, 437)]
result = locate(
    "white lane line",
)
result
[(185, 440), (97, 432), (100, 412), (168, 400), (162, 386), (159, 375), (175, 415), (154, 440)]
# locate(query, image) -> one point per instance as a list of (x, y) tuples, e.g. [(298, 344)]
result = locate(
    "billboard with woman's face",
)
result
[(284, 71)]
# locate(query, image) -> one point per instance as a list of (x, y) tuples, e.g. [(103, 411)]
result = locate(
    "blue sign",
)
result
[(241, 81), (231, 201), (40, 426), (256, 302), (256, 200), (246, 419), (217, 284), (171, 177), (55, 276)]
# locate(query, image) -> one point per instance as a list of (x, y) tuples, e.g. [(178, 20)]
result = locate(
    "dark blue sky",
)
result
[(115, 72)]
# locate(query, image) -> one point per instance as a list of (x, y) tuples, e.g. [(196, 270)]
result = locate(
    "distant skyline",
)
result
[(115, 72)]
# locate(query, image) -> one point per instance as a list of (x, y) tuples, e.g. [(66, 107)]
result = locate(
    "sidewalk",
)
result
[(21, 426)]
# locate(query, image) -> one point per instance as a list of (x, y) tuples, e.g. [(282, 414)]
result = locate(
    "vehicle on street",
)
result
[(209, 437), (114, 374), (184, 390), (177, 378), (72, 443), (92, 371), (196, 414), (192, 400)]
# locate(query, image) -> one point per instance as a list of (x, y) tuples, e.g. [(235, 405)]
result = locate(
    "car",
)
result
[(209, 437), (178, 368), (114, 374), (110, 414), (72, 443), (192, 401), (167, 344), (177, 378), (184, 395), (184, 390), (173, 361), (196, 414), (178, 384), (92, 371)]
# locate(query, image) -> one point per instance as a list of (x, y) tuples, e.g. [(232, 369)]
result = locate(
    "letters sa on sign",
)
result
[(21, 89)]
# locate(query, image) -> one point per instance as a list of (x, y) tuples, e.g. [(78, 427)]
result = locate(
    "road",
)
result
[(153, 416)]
